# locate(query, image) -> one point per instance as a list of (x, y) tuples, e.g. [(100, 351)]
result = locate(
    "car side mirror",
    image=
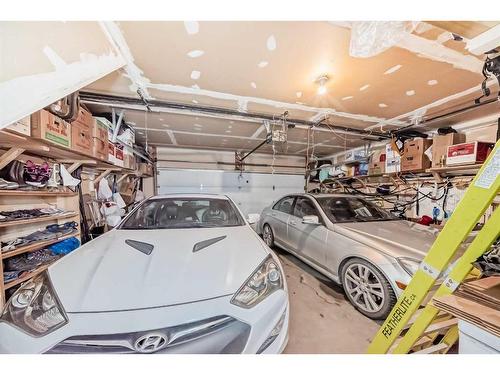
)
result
[(310, 219), (253, 218)]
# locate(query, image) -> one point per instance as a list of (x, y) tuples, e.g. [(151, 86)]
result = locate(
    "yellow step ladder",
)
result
[(420, 336)]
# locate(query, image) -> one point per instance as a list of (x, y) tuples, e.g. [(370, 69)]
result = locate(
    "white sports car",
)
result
[(180, 274)]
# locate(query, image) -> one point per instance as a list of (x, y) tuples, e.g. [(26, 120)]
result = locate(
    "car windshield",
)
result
[(352, 209), (184, 213)]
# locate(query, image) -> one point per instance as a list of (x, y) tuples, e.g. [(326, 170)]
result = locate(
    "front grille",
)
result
[(217, 335)]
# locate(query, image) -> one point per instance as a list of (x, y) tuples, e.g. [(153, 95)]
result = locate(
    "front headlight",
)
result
[(35, 308), (263, 282), (410, 265)]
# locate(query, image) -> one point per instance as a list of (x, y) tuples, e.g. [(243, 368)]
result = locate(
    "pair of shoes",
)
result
[(8, 185), (9, 276), (36, 174), (62, 229), (30, 261)]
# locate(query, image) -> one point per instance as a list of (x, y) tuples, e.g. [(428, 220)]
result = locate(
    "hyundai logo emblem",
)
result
[(151, 343)]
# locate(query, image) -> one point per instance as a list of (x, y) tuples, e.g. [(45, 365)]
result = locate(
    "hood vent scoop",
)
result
[(201, 245), (143, 247)]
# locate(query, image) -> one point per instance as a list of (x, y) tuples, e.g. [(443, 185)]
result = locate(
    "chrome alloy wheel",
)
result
[(267, 235), (364, 288)]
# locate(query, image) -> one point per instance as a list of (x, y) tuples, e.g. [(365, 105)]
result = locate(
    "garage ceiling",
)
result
[(271, 67)]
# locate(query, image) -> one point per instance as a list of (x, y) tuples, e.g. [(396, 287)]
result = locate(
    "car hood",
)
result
[(396, 238), (109, 275)]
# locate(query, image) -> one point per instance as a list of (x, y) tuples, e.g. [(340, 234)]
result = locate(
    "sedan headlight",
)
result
[(35, 308), (263, 282), (410, 265)]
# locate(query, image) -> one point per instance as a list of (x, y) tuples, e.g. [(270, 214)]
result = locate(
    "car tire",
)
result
[(268, 235), (367, 288)]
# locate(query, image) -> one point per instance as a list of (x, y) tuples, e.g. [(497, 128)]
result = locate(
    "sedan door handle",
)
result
[(293, 223)]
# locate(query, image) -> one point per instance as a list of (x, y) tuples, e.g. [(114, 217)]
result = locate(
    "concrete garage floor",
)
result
[(321, 318)]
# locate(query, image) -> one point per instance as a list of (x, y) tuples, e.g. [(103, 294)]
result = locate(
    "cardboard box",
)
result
[(354, 155), (46, 126), (100, 129), (129, 161), (146, 169), (81, 138), (23, 126), (414, 158), (85, 117), (440, 145), (100, 149), (392, 160), (468, 153), (119, 152), (377, 163)]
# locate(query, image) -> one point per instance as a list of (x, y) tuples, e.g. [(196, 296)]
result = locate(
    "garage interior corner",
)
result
[(250, 187)]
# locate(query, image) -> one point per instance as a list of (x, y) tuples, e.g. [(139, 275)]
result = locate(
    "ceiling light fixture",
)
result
[(321, 81)]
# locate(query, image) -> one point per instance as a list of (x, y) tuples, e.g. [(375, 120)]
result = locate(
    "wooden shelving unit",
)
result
[(11, 200), (16, 146)]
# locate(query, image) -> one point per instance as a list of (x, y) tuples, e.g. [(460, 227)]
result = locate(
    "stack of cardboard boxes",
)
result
[(414, 157), (82, 130)]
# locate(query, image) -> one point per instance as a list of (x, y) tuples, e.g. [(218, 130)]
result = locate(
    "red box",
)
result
[(468, 153)]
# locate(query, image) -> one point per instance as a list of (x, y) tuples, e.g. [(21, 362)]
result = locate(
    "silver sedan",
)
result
[(372, 253)]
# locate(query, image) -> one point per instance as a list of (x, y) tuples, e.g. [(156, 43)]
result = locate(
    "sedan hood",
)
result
[(396, 238), (107, 274)]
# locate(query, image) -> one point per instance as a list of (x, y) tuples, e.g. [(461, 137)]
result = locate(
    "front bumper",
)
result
[(394, 272), (260, 319)]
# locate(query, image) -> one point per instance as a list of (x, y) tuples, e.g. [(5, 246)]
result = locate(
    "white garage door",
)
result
[(250, 191)]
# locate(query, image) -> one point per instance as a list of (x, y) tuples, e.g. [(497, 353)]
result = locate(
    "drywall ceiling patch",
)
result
[(262, 64), (195, 53), (433, 50), (271, 43), (257, 100), (192, 27), (363, 88), (172, 137), (242, 105), (410, 92), (422, 110), (422, 27), (115, 36), (444, 37), (195, 74), (253, 84), (395, 68), (54, 58), (432, 82)]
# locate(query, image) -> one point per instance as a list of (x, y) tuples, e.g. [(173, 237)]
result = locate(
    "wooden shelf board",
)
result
[(28, 276), (40, 147), (455, 168), (37, 193), (37, 220), (37, 245)]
